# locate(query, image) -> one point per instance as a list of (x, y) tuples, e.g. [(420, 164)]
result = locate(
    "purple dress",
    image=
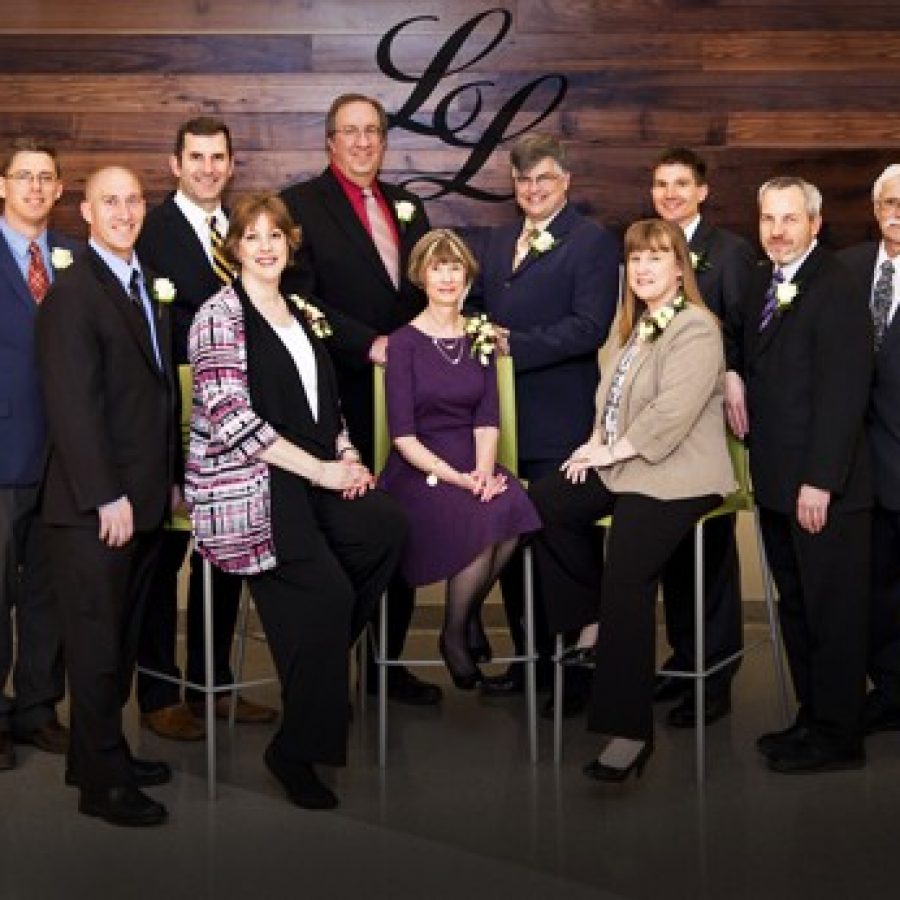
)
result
[(440, 402)]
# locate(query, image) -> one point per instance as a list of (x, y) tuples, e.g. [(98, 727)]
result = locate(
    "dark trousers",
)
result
[(884, 618), (823, 592), (311, 609), (644, 534), (723, 624), (159, 633), (102, 592), (26, 597)]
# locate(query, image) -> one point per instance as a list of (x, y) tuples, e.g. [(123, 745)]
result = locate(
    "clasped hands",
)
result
[(484, 485), (347, 476)]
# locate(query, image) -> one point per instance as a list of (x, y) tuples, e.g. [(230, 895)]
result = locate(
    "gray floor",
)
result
[(459, 813)]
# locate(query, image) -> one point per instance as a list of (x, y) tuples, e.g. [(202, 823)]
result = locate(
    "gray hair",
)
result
[(889, 174), (811, 194), (531, 148)]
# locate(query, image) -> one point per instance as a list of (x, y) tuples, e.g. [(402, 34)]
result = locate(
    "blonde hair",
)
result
[(440, 245)]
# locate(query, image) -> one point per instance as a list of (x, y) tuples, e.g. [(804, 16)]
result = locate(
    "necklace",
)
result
[(450, 348)]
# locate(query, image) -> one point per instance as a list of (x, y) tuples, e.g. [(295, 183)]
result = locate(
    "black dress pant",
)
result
[(101, 592), (723, 624), (884, 618), (311, 609), (823, 591), (159, 633), (644, 533)]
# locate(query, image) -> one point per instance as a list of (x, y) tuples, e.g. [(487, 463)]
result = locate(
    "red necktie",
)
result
[(38, 279)]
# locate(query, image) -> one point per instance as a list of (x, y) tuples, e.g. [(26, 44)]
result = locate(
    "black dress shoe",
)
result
[(666, 688), (51, 737), (300, 782), (772, 743), (122, 806), (506, 684), (404, 687), (146, 773), (684, 715), (7, 751), (809, 754), (880, 714)]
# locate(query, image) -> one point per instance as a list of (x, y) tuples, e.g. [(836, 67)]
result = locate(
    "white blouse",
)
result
[(294, 338)]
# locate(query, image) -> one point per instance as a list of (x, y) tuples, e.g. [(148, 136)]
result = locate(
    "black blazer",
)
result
[(109, 406), (884, 403), (807, 376), (726, 266)]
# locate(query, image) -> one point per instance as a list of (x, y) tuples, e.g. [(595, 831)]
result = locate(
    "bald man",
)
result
[(103, 345)]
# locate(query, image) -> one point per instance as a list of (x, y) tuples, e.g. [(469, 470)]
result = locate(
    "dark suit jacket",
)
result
[(109, 406), (807, 377), (558, 306), (339, 264), (23, 433), (726, 265), (884, 402)]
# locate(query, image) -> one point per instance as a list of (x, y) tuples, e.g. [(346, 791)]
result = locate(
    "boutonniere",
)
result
[(653, 325), (405, 211), (542, 242), (315, 318), (483, 336), (60, 258), (785, 294), (163, 290), (700, 262)]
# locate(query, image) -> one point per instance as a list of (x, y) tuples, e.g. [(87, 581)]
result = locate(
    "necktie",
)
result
[(882, 298), (134, 294), (523, 244), (220, 264), (382, 236), (771, 303), (38, 278)]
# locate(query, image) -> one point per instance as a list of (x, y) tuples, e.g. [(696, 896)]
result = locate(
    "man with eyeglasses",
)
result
[(877, 267), (551, 278), (357, 232), (30, 185)]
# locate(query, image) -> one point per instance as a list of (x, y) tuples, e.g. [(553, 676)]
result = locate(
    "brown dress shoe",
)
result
[(7, 752), (176, 723), (246, 713), (51, 737)]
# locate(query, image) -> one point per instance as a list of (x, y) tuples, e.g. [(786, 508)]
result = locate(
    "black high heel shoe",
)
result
[(578, 656), (601, 772), (477, 642), (463, 681)]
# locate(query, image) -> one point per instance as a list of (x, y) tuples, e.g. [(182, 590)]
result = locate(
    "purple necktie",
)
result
[(771, 303)]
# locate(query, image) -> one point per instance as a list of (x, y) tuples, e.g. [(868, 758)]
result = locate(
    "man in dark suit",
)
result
[(30, 185), (723, 263), (799, 370), (551, 279), (357, 232), (103, 346), (878, 271), (177, 241)]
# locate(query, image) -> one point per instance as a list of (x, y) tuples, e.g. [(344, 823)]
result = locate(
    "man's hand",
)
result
[(116, 522), (736, 404), (378, 350), (502, 339), (177, 506), (812, 508)]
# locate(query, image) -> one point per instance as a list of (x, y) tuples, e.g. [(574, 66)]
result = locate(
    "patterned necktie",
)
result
[(220, 263), (523, 244), (382, 236), (882, 298), (771, 303), (38, 277)]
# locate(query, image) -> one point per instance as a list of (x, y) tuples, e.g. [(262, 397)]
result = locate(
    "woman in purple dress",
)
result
[(466, 513)]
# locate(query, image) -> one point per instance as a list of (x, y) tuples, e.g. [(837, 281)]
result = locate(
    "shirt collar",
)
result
[(198, 217), (691, 228), (544, 224), (351, 187), (791, 269), (18, 242), (121, 269), (883, 257)]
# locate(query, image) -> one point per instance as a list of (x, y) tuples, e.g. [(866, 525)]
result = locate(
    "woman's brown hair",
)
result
[(244, 213), (439, 245)]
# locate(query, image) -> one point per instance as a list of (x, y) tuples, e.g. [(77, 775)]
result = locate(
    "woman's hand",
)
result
[(487, 485), (591, 455), (351, 479)]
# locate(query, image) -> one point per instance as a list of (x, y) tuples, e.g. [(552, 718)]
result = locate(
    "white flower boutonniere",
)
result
[(315, 318), (60, 258), (653, 325), (405, 210), (785, 294), (163, 290), (699, 262), (542, 242), (483, 336)]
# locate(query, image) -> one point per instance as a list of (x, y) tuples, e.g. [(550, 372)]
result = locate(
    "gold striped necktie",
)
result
[(220, 263)]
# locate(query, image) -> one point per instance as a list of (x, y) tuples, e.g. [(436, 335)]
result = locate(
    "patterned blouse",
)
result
[(610, 417)]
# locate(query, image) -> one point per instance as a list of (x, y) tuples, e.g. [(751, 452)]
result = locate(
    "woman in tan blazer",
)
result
[(657, 459)]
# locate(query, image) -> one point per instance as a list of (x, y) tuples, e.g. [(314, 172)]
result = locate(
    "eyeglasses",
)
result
[(23, 177), (891, 203), (542, 181), (352, 133)]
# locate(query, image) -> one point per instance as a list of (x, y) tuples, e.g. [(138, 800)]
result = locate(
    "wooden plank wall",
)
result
[(761, 87)]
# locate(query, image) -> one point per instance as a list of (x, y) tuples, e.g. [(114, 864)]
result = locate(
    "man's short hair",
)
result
[(345, 100), (812, 196), (531, 148), (29, 144), (889, 174), (683, 156), (203, 126)]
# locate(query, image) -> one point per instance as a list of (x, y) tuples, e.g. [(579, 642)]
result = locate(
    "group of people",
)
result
[(281, 305)]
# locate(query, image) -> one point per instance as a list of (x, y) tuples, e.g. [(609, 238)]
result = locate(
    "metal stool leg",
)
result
[(381, 662), (699, 653), (530, 665), (240, 649), (362, 670), (209, 681), (558, 676)]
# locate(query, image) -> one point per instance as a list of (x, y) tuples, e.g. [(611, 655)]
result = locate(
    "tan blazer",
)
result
[(672, 412)]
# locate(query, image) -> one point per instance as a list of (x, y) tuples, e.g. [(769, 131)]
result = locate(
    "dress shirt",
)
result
[(355, 195), (691, 228), (198, 218), (789, 270), (18, 246), (883, 257), (297, 343)]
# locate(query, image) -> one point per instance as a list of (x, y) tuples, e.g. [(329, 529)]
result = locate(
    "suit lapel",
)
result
[(10, 272), (559, 228), (699, 242), (184, 236)]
